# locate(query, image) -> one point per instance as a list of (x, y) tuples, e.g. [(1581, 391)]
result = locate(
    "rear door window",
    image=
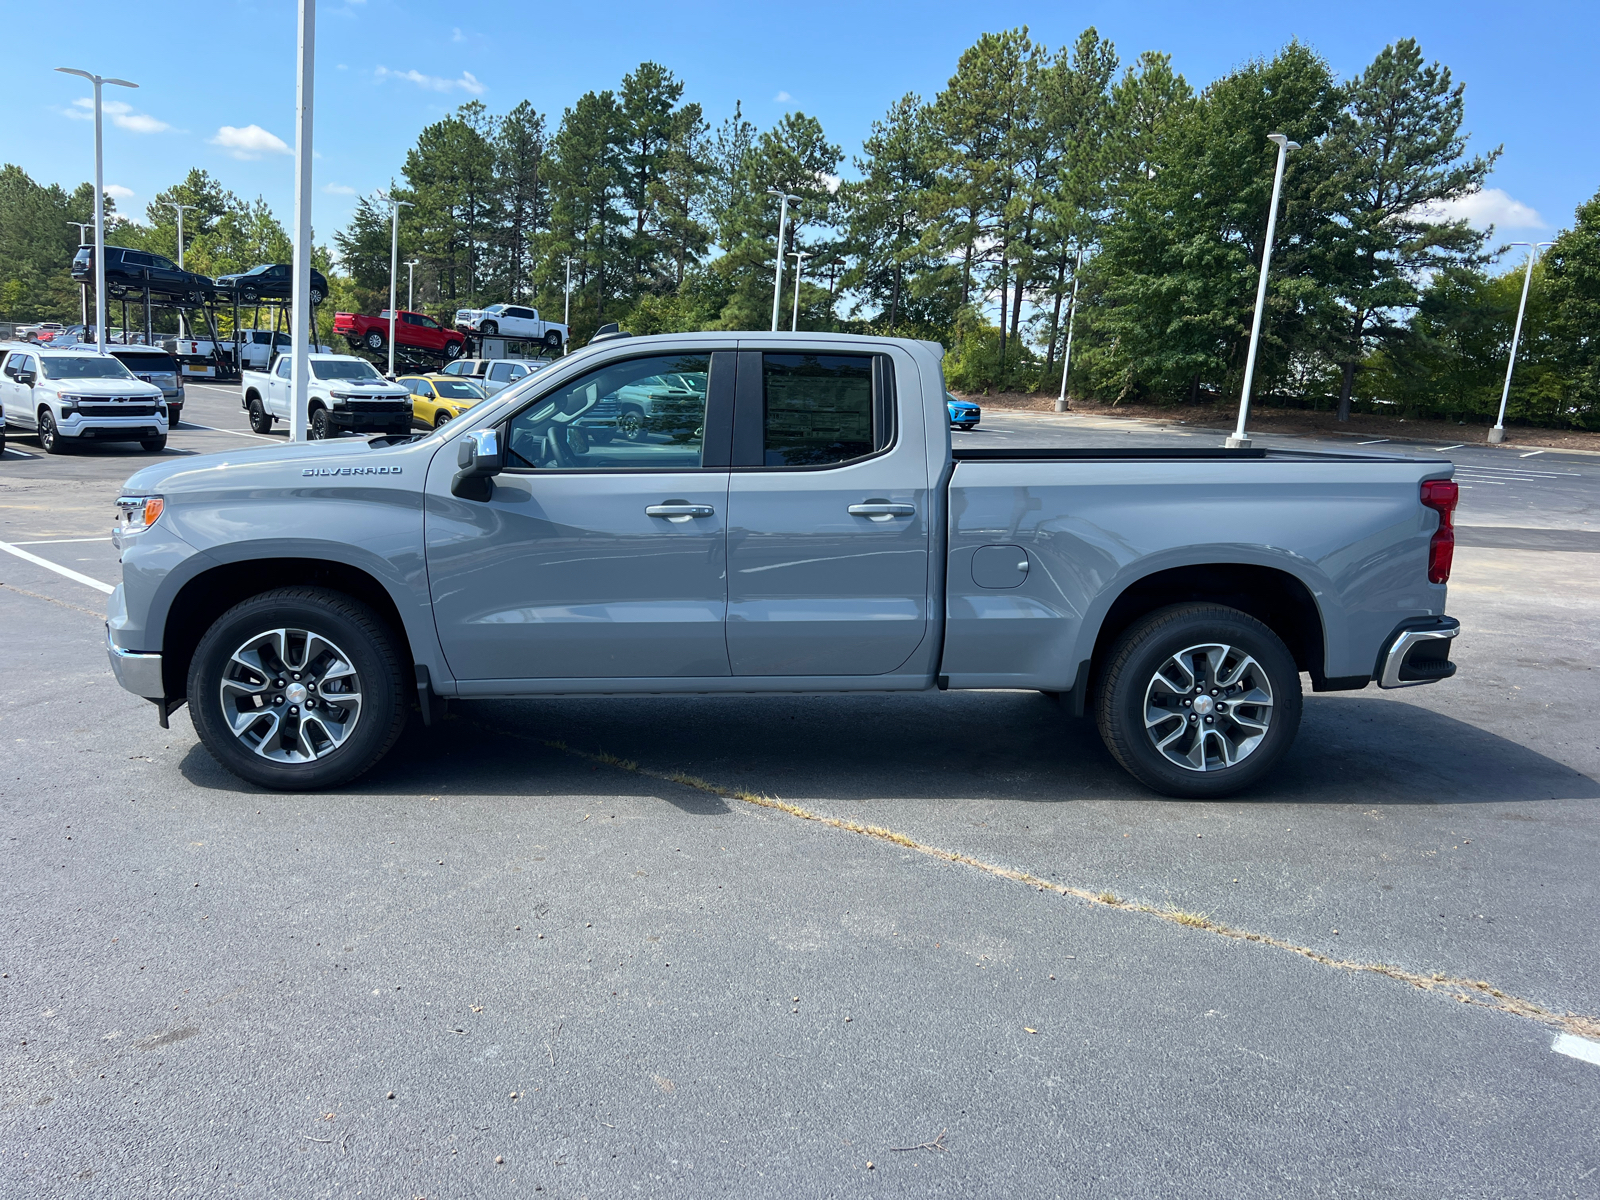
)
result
[(818, 409), (500, 372)]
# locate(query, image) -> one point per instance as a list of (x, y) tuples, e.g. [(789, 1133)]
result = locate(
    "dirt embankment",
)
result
[(1361, 426)]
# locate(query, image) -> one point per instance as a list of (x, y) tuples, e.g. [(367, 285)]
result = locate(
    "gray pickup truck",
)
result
[(805, 528)]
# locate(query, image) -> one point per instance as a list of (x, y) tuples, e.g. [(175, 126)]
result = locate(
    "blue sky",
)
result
[(217, 79)]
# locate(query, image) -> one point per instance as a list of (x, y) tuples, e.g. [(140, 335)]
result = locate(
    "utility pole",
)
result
[(99, 204), (411, 284), (301, 333), (1498, 433), (83, 288), (1066, 358), (566, 312), (777, 279), (799, 262), (1240, 439), (394, 263)]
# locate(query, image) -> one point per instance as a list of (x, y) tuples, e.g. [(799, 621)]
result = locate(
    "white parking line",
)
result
[(1577, 1047), (60, 541), (1530, 453), (1442, 449), (235, 432), (58, 568), (1373, 442)]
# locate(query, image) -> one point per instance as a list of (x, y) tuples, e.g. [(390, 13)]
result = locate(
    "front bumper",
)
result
[(1418, 652), (348, 420), (137, 673)]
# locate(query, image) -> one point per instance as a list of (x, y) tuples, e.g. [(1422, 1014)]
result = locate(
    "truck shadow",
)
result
[(985, 746)]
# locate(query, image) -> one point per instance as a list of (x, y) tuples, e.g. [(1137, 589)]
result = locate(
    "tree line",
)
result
[(973, 217)]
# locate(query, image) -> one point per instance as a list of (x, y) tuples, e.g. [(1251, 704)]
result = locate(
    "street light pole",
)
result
[(181, 209), (411, 283), (1498, 433), (302, 339), (99, 204), (777, 279), (1066, 358), (799, 262), (566, 312), (83, 288), (1240, 439), (394, 263)]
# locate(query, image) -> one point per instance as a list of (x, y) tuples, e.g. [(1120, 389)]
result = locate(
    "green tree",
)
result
[(521, 162), (1395, 153), (37, 246), (451, 180), (588, 223), (1572, 269)]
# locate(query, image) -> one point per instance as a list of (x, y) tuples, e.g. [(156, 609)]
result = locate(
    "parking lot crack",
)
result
[(1466, 991)]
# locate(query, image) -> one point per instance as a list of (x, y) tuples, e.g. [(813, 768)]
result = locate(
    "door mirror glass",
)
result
[(478, 456)]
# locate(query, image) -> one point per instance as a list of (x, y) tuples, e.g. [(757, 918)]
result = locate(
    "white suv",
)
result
[(68, 397)]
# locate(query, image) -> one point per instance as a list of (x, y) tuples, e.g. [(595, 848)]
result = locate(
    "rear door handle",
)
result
[(678, 511), (878, 510)]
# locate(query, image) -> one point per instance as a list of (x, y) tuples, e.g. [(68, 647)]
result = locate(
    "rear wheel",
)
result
[(1198, 700), (553, 339), (260, 419), (297, 689), (452, 349), (316, 294)]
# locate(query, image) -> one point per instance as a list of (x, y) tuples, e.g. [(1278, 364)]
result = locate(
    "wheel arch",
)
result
[(209, 593), (1276, 597)]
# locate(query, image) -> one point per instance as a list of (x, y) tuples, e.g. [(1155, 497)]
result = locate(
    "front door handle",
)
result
[(879, 510), (679, 511)]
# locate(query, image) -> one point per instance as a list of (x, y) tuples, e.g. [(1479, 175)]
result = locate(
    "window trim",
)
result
[(750, 412), (718, 418)]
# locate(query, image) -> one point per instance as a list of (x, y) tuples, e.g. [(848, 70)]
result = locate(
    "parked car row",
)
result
[(70, 396)]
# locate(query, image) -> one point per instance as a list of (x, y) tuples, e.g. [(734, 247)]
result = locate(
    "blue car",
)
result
[(963, 413)]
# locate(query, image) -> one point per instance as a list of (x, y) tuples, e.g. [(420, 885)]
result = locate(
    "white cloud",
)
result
[(831, 182), (339, 189), (782, 98), (250, 142), (1491, 206), (117, 192), (120, 112), (435, 83), (456, 35)]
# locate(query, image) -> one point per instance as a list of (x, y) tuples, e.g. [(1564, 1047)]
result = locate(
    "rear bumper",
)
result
[(1418, 652), (137, 673)]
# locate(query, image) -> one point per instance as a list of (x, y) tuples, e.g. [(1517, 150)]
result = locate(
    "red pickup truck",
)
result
[(413, 329)]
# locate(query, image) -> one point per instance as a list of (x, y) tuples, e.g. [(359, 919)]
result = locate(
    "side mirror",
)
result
[(478, 456), (25, 378)]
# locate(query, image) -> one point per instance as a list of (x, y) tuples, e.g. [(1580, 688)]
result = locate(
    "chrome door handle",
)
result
[(679, 512), (880, 511)]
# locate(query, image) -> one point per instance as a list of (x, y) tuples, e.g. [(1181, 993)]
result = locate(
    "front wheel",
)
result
[(154, 445), (1198, 700), (441, 419), (490, 328), (260, 419), (298, 688), (319, 428), (50, 439), (630, 424)]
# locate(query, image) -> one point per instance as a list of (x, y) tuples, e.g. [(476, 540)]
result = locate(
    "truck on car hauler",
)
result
[(814, 532)]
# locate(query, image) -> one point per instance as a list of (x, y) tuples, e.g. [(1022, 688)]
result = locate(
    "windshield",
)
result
[(150, 364), (495, 308), (338, 369), (84, 367), (457, 389)]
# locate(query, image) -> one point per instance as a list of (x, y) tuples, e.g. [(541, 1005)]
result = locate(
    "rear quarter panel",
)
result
[(1353, 532)]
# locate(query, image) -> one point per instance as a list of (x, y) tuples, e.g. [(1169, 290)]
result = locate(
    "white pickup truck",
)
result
[(347, 395), (511, 321)]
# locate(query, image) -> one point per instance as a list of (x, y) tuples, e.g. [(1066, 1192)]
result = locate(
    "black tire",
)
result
[(631, 425), (490, 328), (154, 445), (50, 439), (316, 294), (348, 624), (317, 428), (248, 294), (373, 339), (452, 350), (260, 418), (1128, 683), (441, 419), (553, 339)]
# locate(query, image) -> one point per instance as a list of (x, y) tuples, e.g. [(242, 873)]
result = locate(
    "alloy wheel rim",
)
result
[(1208, 707), (291, 695)]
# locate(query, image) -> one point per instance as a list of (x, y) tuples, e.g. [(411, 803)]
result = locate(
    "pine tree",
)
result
[(521, 163)]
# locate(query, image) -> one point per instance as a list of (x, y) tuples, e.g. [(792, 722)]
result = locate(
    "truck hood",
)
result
[(207, 471), (364, 389), (97, 388)]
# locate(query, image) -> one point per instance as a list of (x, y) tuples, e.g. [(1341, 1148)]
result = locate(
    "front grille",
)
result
[(117, 410)]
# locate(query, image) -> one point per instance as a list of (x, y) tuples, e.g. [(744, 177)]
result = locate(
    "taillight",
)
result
[(1441, 496)]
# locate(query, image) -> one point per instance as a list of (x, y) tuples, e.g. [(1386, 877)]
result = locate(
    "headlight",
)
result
[(137, 513), (337, 399)]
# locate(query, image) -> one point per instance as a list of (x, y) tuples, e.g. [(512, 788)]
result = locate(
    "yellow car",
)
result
[(436, 399)]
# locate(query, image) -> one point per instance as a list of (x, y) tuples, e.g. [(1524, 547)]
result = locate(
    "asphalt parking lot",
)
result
[(749, 946)]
